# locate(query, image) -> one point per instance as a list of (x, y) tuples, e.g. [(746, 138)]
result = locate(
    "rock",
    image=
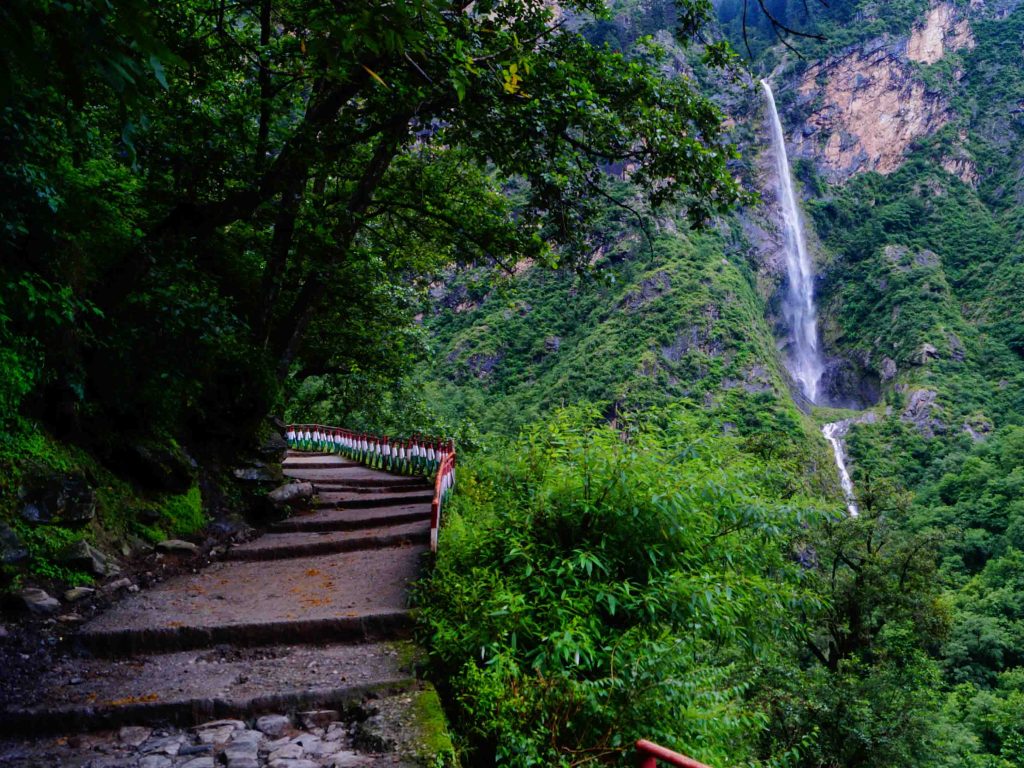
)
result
[(259, 473), (134, 735), (119, 584), (219, 735), (349, 760), (4, 632), (291, 494), (38, 601), (177, 546), (274, 447), (78, 593), (160, 466), (246, 737), (888, 369), (70, 618), (292, 764), (236, 725), (198, 762), (275, 726), (155, 761), (12, 551), (234, 752), (287, 752), (552, 343), (195, 749), (243, 762), (928, 352), (164, 745), (60, 499), (919, 412), (319, 718), (83, 556)]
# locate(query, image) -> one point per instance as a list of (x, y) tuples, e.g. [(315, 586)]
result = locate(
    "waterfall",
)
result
[(834, 434), (804, 360)]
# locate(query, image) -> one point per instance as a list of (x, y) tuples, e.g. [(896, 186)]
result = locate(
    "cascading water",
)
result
[(804, 362), (834, 432)]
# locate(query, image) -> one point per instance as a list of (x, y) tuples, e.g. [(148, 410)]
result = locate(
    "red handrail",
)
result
[(649, 753), (443, 482)]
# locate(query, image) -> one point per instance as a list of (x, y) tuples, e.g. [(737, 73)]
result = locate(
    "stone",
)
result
[(134, 735), (38, 601), (291, 494), (243, 762), (319, 718), (194, 749), (177, 546), (119, 584), (275, 726), (247, 737), (59, 499), (163, 745), (219, 735), (888, 369), (70, 618), (75, 594), (235, 752), (4, 632), (198, 762), (293, 764), (287, 752), (160, 466), (82, 556), (12, 551), (258, 473), (306, 741), (237, 725), (349, 760), (155, 761)]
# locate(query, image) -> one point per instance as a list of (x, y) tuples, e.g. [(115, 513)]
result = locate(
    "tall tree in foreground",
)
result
[(194, 186)]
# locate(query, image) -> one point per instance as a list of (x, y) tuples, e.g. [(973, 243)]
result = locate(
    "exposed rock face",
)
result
[(943, 29), (650, 289), (867, 108), (62, 499), (920, 412)]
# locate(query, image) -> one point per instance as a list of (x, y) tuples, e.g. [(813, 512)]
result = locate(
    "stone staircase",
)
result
[(308, 622)]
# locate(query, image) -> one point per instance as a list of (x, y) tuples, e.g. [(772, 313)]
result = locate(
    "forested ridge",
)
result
[(550, 232)]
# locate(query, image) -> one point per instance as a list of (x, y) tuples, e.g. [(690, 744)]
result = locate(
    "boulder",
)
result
[(291, 494), (12, 551), (275, 726), (259, 473), (59, 499), (160, 466), (75, 594), (38, 601), (83, 556), (177, 546)]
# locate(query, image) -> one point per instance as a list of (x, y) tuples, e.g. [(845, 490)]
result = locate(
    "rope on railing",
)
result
[(648, 754), (416, 455)]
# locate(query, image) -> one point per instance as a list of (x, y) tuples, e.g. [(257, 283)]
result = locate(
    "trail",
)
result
[(294, 645)]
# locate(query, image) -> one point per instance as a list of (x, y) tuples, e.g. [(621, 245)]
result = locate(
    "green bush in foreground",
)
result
[(594, 586)]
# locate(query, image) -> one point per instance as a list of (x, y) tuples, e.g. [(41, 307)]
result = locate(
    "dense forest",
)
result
[(552, 232)]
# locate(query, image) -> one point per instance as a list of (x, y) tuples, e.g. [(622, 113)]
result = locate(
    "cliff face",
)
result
[(865, 108)]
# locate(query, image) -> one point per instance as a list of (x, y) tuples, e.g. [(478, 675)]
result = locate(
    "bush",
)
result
[(595, 586)]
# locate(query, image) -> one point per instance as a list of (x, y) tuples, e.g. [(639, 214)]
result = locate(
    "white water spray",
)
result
[(805, 363), (834, 434)]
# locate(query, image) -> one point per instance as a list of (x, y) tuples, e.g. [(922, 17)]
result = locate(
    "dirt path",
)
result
[(292, 652)]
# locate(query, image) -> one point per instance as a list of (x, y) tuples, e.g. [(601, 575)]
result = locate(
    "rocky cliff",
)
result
[(864, 108)]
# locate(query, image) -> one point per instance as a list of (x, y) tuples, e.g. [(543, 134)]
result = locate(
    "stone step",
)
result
[(279, 546), (357, 476), (318, 461), (348, 500), (333, 519), (189, 687), (349, 596)]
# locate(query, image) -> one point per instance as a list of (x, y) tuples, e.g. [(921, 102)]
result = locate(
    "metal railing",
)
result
[(416, 455), (648, 754)]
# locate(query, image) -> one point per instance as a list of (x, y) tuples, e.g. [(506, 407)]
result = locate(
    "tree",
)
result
[(208, 181)]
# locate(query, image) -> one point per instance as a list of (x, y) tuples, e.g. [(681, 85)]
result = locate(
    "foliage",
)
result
[(584, 596)]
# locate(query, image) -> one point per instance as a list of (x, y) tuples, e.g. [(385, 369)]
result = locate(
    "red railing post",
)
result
[(649, 753)]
